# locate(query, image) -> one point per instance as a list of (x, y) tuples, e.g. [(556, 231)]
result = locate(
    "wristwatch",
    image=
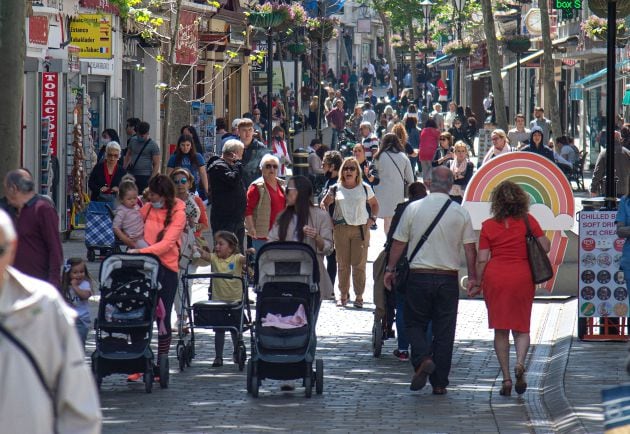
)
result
[(390, 270)]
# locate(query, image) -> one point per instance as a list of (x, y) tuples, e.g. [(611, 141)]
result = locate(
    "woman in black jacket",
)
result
[(106, 175)]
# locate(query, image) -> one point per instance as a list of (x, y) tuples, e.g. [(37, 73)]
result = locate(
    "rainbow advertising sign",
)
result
[(551, 197)]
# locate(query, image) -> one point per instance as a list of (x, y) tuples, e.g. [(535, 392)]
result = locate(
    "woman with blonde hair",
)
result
[(500, 145), (313, 108), (505, 277), (462, 169), (351, 231)]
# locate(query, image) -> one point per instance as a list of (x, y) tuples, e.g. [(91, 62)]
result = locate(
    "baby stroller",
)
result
[(99, 233), (286, 283), (124, 325), (215, 314)]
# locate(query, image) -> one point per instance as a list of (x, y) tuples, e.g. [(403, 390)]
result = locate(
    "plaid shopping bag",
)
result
[(98, 225)]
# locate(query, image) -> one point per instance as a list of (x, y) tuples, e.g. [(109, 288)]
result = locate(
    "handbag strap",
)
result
[(529, 229), (139, 154), (38, 371), (426, 234)]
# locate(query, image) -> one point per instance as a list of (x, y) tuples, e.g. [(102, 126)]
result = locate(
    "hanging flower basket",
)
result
[(321, 28), (596, 28), (518, 44), (297, 48), (459, 48), (461, 52), (425, 47), (600, 8), (269, 15)]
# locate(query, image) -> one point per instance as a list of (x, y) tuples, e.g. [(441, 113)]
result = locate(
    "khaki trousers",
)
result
[(352, 252)]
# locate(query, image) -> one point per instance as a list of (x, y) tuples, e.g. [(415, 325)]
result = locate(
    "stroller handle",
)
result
[(212, 275)]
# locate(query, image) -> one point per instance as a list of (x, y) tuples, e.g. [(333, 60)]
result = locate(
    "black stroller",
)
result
[(124, 325), (286, 282), (215, 314)]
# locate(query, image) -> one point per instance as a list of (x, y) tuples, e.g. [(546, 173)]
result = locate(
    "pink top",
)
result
[(168, 248), (428, 143), (129, 220)]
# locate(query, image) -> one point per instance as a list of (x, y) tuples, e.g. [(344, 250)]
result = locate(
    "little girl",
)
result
[(128, 224), (76, 290), (225, 259)]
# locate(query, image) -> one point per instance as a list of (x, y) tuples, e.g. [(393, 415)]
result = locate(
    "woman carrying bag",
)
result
[(351, 228)]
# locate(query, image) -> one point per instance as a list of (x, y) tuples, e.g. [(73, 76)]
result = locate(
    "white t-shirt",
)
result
[(351, 202), (441, 250)]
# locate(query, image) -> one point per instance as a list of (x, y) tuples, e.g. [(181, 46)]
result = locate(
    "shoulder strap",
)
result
[(146, 142), (38, 371), (426, 234), (529, 229), (396, 166)]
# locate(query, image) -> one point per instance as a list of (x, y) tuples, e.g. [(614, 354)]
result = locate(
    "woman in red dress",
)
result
[(506, 279)]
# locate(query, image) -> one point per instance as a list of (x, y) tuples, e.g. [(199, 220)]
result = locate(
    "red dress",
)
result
[(507, 284)]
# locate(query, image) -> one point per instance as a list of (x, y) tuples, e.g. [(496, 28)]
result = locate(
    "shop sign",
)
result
[(92, 33), (74, 65), (100, 67), (50, 106), (187, 39), (38, 30), (602, 285)]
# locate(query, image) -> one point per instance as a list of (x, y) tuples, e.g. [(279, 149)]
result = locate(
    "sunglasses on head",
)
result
[(271, 166), (181, 181)]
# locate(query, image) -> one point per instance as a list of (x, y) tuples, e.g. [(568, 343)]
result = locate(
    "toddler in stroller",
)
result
[(284, 339)]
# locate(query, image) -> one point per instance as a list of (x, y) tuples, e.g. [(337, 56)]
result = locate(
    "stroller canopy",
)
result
[(149, 265), (282, 261)]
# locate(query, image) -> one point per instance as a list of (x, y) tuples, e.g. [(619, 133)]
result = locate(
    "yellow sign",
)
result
[(92, 33)]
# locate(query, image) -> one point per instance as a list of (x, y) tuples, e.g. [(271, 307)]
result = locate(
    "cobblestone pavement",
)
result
[(367, 394)]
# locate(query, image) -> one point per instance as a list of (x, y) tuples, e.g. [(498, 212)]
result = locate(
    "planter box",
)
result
[(460, 52), (265, 20), (518, 45), (600, 8)]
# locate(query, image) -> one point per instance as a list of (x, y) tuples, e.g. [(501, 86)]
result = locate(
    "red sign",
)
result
[(100, 5), (187, 39), (50, 106), (38, 30)]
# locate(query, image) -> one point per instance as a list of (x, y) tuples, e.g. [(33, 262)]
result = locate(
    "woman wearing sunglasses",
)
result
[(351, 228), (265, 200)]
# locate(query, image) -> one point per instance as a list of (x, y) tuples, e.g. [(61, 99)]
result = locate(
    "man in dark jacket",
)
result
[(253, 153), (228, 190)]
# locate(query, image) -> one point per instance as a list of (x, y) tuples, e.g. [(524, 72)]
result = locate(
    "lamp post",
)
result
[(426, 10), (459, 7)]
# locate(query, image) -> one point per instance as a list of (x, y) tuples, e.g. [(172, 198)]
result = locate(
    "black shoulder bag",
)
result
[(402, 267), (539, 262), (130, 168)]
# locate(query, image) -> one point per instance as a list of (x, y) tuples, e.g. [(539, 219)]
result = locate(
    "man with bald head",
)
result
[(39, 253), (46, 385), (432, 292)]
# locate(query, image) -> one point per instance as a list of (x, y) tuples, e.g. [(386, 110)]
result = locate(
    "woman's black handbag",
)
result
[(539, 262)]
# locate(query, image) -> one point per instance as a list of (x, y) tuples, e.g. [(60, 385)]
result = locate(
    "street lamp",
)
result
[(459, 7), (426, 10)]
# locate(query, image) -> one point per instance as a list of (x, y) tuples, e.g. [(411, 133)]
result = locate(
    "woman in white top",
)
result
[(280, 149), (395, 173), (351, 231), (450, 116)]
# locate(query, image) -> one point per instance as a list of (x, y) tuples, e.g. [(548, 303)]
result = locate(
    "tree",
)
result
[(13, 43), (495, 64), (549, 84)]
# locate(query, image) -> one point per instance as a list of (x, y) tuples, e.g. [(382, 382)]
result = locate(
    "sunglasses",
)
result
[(291, 188), (181, 181), (349, 169), (443, 139), (270, 166), (113, 155)]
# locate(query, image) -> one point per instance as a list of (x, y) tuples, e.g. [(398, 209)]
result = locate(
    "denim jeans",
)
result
[(403, 342), (432, 298)]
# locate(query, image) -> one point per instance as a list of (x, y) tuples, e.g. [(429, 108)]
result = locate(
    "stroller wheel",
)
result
[(91, 255), (377, 337), (241, 355), (163, 358), (148, 381), (190, 353), (181, 356), (308, 385), (319, 376)]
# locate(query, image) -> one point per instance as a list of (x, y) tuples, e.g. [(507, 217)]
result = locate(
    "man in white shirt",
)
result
[(519, 135), (433, 286), (368, 114)]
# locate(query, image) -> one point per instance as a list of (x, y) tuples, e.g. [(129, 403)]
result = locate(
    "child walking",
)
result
[(225, 259), (76, 289), (128, 224)]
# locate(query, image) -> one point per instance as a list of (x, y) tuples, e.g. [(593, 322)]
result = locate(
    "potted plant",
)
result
[(425, 47), (600, 8), (268, 15), (297, 48), (517, 43), (596, 28), (459, 48), (321, 28)]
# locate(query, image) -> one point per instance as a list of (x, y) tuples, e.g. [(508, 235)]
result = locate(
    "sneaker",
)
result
[(402, 355), (218, 362), (134, 377)]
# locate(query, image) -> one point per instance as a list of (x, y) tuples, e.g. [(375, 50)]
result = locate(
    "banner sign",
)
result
[(602, 286), (92, 33), (187, 39), (38, 30), (50, 106)]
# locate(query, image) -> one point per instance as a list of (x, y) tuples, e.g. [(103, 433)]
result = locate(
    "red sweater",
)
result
[(428, 143)]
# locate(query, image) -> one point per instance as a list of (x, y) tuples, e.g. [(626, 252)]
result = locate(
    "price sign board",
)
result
[(602, 285)]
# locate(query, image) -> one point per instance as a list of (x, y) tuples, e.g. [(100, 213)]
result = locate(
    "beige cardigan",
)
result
[(321, 221)]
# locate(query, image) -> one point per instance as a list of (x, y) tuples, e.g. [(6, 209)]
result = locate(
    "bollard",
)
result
[(300, 162)]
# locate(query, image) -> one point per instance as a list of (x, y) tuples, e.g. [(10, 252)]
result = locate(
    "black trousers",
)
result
[(432, 297)]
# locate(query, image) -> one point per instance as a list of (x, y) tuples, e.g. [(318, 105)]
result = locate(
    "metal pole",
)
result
[(611, 197), (269, 83), (296, 99), (458, 63), (518, 68), (426, 68)]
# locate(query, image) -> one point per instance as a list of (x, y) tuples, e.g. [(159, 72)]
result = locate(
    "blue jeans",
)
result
[(432, 298), (257, 244), (403, 342)]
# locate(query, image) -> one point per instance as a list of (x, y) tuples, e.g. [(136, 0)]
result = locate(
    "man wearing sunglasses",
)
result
[(47, 385)]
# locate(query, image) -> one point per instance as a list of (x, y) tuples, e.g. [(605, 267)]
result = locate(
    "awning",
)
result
[(595, 80), (439, 60), (626, 98), (524, 60)]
